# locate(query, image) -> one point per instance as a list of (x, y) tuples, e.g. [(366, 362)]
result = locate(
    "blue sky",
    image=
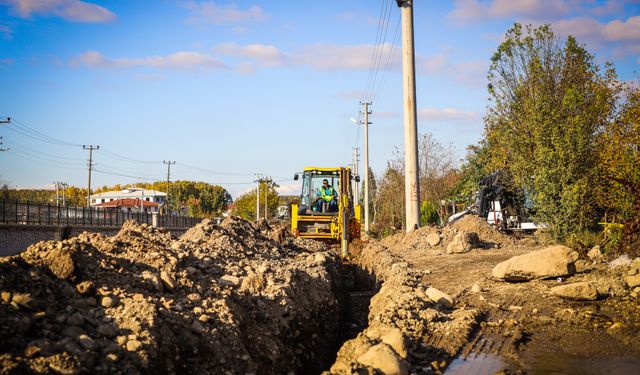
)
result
[(230, 89)]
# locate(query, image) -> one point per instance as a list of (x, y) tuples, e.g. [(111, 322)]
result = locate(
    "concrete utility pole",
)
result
[(64, 187), (366, 123), (168, 163), (57, 185), (411, 182), (356, 161), (90, 148)]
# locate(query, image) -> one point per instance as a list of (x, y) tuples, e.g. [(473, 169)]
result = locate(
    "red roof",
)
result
[(128, 202)]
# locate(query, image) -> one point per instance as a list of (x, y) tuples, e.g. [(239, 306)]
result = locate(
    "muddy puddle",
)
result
[(476, 364), (562, 363)]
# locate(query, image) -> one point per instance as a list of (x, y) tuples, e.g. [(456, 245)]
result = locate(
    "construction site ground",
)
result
[(247, 298), (522, 327)]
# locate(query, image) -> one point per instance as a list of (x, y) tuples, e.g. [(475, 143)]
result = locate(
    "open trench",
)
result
[(234, 298)]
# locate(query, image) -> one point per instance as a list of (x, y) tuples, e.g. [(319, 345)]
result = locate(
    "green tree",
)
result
[(245, 205), (550, 100)]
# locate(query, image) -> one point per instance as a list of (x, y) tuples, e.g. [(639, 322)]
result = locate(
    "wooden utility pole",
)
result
[(90, 148), (411, 181), (366, 124), (168, 163), (5, 121)]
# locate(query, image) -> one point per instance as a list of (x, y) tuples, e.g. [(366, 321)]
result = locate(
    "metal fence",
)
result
[(25, 213)]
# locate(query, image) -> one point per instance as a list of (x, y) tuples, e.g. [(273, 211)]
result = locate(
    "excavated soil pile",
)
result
[(434, 240), (233, 298), (487, 233), (403, 315)]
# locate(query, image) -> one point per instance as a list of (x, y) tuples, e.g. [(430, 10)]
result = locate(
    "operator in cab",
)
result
[(326, 194)]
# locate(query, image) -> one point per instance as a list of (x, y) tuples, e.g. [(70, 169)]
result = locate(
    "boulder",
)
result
[(553, 261), (595, 253), (633, 281), (433, 239), (582, 291), (439, 296), (383, 358), (167, 280), (463, 242), (229, 280)]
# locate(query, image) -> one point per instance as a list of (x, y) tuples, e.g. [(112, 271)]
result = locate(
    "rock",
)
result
[(595, 253), (383, 358), (72, 331), (550, 262), (433, 239), (463, 242), (87, 342), (476, 288), (229, 280), (75, 320), (397, 341), (632, 281), (439, 297), (133, 345), (107, 330), (60, 263), (154, 279), (320, 258), (5, 296), (168, 280), (85, 287), (22, 300), (582, 291), (582, 266), (107, 301), (122, 340)]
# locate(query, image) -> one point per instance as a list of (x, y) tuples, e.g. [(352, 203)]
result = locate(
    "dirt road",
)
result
[(522, 327)]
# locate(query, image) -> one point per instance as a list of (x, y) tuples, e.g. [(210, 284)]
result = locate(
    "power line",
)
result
[(32, 133)]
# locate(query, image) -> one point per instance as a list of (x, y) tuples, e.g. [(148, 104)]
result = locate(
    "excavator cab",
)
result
[(319, 219)]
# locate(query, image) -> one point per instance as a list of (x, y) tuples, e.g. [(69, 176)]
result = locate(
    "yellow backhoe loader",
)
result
[(327, 210)]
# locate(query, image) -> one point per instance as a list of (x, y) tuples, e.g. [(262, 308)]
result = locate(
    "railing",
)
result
[(25, 213)]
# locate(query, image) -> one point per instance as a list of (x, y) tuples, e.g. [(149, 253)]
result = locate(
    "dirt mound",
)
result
[(236, 298), (474, 223), (403, 316), (415, 240)]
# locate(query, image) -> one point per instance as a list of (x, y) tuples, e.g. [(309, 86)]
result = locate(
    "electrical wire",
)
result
[(390, 59), (381, 49), (32, 133), (115, 155), (214, 172)]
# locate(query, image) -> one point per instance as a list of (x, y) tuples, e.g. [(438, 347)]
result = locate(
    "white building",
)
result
[(150, 199)]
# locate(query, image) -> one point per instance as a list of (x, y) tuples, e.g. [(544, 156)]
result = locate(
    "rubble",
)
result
[(143, 301)]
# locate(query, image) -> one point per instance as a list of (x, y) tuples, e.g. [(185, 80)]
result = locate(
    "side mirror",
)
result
[(357, 178), (295, 177)]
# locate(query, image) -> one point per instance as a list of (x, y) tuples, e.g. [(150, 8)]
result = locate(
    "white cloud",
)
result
[(610, 7), (474, 10), (340, 57), (447, 114), (622, 35), (178, 60), (289, 189), (209, 12), (70, 10), (266, 55), (430, 65)]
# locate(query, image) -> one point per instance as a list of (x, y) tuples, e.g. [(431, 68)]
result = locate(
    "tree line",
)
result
[(563, 127)]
